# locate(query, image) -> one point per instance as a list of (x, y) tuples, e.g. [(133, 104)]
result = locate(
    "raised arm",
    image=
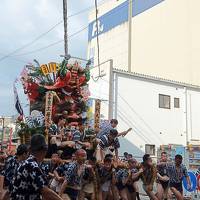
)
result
[(63, 187), (124, 133)]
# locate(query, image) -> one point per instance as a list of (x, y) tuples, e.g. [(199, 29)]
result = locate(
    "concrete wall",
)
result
[(136, 105)]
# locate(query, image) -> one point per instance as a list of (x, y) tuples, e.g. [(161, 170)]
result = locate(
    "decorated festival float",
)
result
[(54, 91)]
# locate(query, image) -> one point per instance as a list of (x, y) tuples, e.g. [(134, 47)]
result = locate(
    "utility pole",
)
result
[(130, 14), (65, 26)]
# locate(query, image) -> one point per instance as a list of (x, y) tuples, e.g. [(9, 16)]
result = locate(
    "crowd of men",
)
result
[(88, 169)]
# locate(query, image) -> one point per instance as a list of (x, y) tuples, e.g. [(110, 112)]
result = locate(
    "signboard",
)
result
[(180, 151), (50, 68), (195, 182), (194, 157), (118, 16)]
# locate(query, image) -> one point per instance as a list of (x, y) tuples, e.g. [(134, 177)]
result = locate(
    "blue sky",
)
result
[(21, 22)]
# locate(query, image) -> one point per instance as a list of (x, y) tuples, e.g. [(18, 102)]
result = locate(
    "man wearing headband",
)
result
[(122, 177), (56, 133), (148, 174), (74, 175), (106, 178), (176, 172), (162, 178), (29, 181), (58, 177), (112, 125), (105, 142), (132, 183)]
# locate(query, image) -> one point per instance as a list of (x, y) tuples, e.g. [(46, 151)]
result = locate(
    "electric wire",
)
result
[(145, 123), (30, 43), (134, 124), (16, 59), (57, 42), (43, 34), (130, 124), (131, 121), (52, 44)]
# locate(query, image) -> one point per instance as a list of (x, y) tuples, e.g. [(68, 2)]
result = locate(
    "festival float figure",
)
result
[(69, 87)]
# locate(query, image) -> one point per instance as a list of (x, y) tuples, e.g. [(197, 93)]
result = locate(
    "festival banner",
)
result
[(48, 108), (97, 113)]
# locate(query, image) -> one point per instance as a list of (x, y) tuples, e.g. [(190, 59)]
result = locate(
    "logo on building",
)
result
[(94, 28), (118, 16)]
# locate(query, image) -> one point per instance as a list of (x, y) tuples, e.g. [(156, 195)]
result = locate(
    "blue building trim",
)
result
[(119, 15)]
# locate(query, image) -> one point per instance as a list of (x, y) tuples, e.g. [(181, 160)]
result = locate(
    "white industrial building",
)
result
[(159, 93)]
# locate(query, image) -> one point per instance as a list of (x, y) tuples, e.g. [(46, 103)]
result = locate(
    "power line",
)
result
[(84, 10), (123, 116), (80, 12), (145, 123), (17, 59), (30, 43), (140, 136), (43, 34), (76, 32), (130, 124), (42, 48), (137, 127), (137, 130), (52, 44)]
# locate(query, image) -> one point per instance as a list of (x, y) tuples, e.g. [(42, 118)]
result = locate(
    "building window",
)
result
[(164, 101), (150, 149), (176, 103)]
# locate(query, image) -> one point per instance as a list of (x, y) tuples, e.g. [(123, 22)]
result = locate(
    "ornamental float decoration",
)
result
[(68, 83)]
